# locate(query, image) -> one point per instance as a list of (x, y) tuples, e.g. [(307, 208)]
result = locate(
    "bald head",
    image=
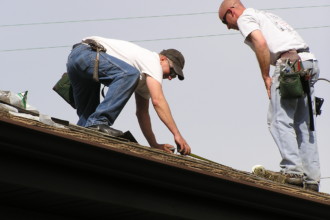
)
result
[(226, 4)]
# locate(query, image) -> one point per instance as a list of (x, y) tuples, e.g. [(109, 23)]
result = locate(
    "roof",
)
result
[(79, 174)]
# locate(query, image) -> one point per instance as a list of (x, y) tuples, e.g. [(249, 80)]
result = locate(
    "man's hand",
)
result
[(165, 147), (268, 84), (182, 145)]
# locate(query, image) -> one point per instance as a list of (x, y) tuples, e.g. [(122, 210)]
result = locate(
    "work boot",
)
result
[(293, 179), (106, 129), (311, 186)]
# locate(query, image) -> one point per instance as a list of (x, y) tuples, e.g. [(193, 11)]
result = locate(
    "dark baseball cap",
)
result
[(177, 59)]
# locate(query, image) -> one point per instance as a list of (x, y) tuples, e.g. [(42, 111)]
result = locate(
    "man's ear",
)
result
[(162, 57)]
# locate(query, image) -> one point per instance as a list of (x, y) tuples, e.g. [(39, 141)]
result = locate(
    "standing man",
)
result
[(125, 68), (274, 41)]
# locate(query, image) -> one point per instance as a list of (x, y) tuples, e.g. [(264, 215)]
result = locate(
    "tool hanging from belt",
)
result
[(307, 88), (319, 101), (98, 48)]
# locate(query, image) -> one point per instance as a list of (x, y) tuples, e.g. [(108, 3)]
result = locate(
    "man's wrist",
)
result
[(265, 77), (153, 144)]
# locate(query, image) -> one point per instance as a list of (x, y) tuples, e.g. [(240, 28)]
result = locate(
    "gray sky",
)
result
[(221, 106)]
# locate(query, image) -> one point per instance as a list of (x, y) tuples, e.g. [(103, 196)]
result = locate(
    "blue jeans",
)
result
[(288, 121), (119, 76)]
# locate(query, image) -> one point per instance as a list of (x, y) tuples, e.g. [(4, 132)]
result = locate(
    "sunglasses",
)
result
[(224, 20), (172, 72)]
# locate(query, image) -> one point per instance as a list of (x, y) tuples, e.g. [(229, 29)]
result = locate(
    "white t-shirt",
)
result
[(280, 36), (147, 62)]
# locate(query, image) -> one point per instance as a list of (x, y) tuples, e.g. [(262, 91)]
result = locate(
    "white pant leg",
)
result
[(307, 142), (288, 121), (281, 126)]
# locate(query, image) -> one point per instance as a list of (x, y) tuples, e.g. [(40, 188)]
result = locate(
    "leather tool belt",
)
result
[(292, 55)]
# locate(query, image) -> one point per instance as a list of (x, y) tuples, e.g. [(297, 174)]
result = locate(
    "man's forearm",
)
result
[(145, 125), (263, 57), (142, 114), (262, 52), (165, 115), (161, 106)]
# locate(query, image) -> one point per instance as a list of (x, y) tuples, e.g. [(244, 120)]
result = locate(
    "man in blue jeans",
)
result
[(274, 42), (125, 68)]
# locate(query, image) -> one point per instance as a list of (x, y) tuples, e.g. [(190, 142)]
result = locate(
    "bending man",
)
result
[(125, 68)]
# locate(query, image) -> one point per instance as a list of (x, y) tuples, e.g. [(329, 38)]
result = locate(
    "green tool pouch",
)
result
[(290, 86), (291, 76), (64, 88)]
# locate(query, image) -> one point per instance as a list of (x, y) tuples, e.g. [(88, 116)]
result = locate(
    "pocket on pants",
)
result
[(84, 60)]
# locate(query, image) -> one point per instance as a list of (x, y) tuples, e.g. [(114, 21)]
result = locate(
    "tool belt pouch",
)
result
[(290, 86), (291, 73), (64, 88), (291, 76)]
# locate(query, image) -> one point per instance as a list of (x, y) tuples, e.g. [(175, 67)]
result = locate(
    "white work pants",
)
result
[(288, 121)]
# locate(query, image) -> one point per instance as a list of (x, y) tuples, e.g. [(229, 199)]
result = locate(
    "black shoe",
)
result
[(106, 129), (311, 186)]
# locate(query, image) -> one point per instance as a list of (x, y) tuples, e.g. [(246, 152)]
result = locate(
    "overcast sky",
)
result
[(221, 106)]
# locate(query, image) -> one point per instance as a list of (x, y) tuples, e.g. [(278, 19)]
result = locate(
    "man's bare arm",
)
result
[(164, 113), (142, 113), (263, 56)]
